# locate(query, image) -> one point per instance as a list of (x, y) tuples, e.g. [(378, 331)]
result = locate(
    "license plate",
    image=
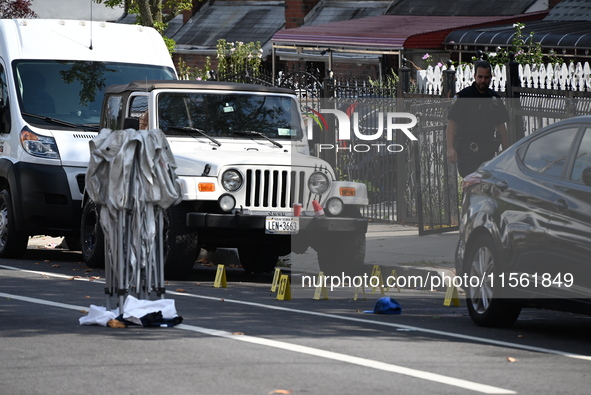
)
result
[(282, 225)]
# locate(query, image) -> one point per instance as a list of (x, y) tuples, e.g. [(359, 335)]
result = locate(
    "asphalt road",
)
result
[(242, 340)]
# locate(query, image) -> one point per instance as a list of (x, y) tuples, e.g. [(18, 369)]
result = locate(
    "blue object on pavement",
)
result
[(386, 305)]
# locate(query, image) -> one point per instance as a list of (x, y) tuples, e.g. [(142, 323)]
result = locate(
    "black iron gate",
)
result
[(437, 186)]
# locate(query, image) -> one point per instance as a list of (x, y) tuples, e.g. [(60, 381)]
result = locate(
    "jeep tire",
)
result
[(180, 242), (340, 253), (257, 259)]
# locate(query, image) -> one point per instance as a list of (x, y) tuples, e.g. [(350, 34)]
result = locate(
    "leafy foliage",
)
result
[(238, 57), (233, 58), (16, 9), (390, 81), (525, 50), (152, 13), (194, 73)]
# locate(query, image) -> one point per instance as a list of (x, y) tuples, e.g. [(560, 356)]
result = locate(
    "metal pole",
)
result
[(121, 291), (160, 263), (449, 80), (273, 63)]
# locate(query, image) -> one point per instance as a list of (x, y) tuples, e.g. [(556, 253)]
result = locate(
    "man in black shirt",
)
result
[(476, 123)]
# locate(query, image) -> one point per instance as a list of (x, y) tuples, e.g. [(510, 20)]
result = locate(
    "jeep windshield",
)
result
[(65, 94), (233, 115)]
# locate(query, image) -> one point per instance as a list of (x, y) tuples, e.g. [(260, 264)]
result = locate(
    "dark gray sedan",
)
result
[(525, 231)]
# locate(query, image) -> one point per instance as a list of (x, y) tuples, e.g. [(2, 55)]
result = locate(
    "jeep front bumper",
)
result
[(257, 222)]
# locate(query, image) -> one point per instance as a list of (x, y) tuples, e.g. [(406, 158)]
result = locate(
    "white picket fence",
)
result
[(574, 76)]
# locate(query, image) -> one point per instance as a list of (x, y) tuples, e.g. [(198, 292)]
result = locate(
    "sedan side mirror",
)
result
[(587, 176)]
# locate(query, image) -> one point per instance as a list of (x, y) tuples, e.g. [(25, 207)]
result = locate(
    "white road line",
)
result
[(353, 319), (44, 302), (40, 273), (420, 374), (398, 326)]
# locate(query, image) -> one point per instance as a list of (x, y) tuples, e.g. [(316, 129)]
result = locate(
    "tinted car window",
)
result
[(549, 154), (114, 113), (583, 157), (226, 114), (5, 110)]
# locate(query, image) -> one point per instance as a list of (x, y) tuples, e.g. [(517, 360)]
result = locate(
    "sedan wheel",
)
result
[(482, 266), (485, 306)]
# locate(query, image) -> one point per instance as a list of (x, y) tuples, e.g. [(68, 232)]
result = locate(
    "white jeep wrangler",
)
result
[(243, 162)]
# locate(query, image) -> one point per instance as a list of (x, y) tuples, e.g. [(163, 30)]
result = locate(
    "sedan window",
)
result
[(583, 157), (549, 154)]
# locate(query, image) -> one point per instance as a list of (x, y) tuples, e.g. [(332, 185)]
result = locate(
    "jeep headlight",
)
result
[(334, 206), (318, 183), (231, 180), (37, 145), (227, 203)]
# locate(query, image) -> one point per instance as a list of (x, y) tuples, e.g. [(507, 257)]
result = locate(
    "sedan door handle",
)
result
[(560, 204)]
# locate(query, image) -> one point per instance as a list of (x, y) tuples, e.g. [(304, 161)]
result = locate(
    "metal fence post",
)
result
[(404, 80), (329, 136), (514, 105), (449, 80), (402, 158), (452, 197)]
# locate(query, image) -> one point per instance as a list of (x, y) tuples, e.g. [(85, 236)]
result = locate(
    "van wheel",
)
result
[(74, 242), (92, 238), (257, 260), (13, 244), (485, 306)]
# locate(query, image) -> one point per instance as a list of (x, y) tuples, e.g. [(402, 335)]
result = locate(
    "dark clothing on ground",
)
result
[(476, 115)]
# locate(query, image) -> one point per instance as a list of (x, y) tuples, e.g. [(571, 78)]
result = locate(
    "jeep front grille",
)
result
[(274, 188)]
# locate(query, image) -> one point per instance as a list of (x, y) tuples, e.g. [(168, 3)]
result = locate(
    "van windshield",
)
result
[(234, 115), (72, 91)]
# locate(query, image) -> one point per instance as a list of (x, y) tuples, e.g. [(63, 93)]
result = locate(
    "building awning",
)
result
[(386, 33), (563, 37)]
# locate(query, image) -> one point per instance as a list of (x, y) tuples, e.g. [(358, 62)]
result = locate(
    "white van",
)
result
[(52, 77)]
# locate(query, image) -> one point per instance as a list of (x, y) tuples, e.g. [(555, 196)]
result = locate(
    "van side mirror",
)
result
[(131, 123), (587, 176)]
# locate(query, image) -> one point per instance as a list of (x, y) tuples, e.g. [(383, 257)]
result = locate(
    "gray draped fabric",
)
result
[(131, 175)]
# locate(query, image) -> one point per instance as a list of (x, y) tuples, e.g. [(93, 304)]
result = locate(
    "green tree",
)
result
[(153, 13), (16, 9)]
